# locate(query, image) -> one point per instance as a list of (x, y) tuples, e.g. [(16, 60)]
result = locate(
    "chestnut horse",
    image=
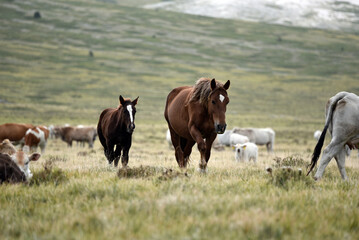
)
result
[(194, 114), (115, 128)]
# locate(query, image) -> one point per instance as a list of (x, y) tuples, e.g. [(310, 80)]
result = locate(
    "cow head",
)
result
[(6, 147), (129, 111), (22, 161), (240, 147)]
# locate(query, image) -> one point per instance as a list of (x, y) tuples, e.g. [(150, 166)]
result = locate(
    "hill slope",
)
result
[(280, 75)]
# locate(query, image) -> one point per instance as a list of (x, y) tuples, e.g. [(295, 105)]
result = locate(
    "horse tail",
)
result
[(330, 110)]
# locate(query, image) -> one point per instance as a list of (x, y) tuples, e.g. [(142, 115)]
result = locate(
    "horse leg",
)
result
[(117, 154), (329, 152), (109, 152), (124, 159), (187, 151), (197, 136), (178, 150), (209, 142), (340, 158)]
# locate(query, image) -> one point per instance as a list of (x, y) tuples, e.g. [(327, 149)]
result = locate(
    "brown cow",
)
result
[(15, 132), (9, 171), (36, 137), (14, 165), (81, 134)]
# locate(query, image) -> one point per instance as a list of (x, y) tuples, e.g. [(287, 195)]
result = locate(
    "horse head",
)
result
[(129, 111), (217, 105)]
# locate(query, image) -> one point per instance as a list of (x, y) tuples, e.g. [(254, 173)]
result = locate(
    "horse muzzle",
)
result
[(131, 128), (220, 128)]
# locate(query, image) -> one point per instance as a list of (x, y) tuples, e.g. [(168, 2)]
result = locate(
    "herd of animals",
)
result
[(195, 115)]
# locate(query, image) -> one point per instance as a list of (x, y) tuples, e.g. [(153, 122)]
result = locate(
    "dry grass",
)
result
[(154, 199)]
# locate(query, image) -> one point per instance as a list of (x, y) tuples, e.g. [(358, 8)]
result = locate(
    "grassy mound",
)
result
[(49, 174), (288, 172)]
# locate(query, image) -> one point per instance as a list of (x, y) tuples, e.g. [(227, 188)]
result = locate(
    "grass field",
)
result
[(281, 77)]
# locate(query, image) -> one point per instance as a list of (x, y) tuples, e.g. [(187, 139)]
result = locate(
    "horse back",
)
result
[(177, 95)]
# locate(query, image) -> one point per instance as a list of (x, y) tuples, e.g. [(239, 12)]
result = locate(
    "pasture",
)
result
[(88, 200), (47, 77)]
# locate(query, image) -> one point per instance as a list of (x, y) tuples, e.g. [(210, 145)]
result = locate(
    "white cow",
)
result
[(236, 138), (342, 119), (229, 138), (246, 152), (259, 136), (224, 138)]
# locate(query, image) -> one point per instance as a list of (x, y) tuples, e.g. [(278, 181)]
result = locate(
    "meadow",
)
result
[(281, 77)]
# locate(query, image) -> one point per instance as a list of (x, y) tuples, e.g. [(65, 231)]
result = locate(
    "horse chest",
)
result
[(121, 136), (206, 129)]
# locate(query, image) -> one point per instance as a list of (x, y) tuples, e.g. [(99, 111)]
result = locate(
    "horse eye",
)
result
[(213, 102)]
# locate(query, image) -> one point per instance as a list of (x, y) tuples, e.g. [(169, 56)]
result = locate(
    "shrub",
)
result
[(49, 174), (287, 177)]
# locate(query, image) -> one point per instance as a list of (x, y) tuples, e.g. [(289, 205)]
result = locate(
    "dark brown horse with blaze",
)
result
[(195, 115), (115, 128)]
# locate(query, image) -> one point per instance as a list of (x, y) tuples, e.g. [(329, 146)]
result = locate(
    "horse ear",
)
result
[(213, 84), (134, 102), (226, 85), (122, 101)]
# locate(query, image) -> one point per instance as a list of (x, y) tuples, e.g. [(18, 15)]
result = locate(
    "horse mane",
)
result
[(202, 90)]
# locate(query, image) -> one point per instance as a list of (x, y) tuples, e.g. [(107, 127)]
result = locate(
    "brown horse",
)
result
[(194, 114), (115, 128)]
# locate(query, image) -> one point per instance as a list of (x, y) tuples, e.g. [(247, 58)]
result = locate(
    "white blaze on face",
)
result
[(221, 97), (129, 109)]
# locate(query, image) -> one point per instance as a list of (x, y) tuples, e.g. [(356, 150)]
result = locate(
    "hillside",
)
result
[(281, 76)]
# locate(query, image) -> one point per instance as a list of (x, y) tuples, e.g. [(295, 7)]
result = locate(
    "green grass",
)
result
[(47, 77)]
